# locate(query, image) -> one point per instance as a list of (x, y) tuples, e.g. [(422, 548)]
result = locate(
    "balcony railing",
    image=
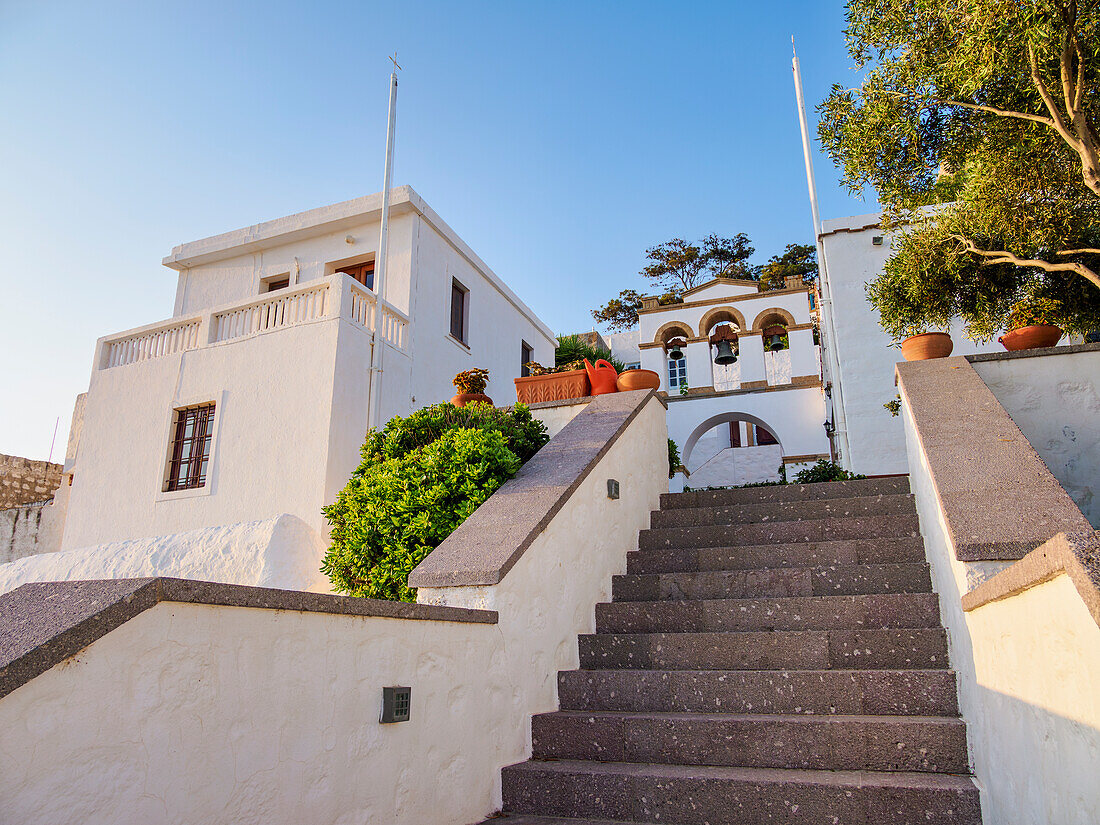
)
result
[(338, 296)]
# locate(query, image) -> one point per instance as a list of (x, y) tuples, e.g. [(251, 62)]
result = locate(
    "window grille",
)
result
[(190, 448)]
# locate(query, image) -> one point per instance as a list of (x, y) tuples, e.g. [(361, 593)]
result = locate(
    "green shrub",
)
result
[(673, 458), (824, 471), (573, 348), (419, 479)]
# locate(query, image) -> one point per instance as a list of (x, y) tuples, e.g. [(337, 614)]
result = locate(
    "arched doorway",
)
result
[(730, 449)]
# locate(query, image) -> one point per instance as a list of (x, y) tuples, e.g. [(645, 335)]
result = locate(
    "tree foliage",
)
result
[(419, 479), (976, 124), (798, 259)]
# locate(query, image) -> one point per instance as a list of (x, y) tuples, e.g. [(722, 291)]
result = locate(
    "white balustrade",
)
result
[(151, 343), (275, 311), (313, 301)]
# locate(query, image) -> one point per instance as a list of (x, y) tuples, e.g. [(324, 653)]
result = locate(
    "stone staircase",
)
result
[(773, 655)]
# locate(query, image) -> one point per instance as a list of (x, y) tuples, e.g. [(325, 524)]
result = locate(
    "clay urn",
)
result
[(638, 380), (927, 345), (464, 398), (1031, 337)]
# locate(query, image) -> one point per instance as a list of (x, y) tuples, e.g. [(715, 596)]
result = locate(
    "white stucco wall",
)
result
[(1054, 401), (555, 418), (31, 529), (282, 552), (1026, 668), (876, 438), (200, 714), (549, 596), (733, 466)]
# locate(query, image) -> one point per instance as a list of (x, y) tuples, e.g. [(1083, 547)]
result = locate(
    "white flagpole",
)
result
[(830, 362), (380, 262)]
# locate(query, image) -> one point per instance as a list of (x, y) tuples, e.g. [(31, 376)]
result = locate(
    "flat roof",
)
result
[(333, 218)]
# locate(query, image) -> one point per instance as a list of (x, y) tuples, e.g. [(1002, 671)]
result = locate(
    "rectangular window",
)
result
[(633, 365), (459, 311), (189, 452), (526, 356), (277, 283), (677, 372), (363, 273)]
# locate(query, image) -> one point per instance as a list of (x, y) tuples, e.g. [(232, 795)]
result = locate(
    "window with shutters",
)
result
[(526, 356), (363, 273), (460, 311)]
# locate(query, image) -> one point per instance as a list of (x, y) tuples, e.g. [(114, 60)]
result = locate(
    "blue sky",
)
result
[(558, 139)]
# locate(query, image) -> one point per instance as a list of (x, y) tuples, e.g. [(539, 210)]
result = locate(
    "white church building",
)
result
[(252, 400)]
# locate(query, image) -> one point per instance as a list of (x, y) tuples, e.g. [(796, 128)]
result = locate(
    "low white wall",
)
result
[(549, 596), (282, 552), (555, 418), (31, 529), (200, 714), (1054, 400), (1035, 759), (738, 465)]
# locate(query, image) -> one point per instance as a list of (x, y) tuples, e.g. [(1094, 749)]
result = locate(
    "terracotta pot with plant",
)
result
[(471, 387), (553, 383), (922, 346), (1032, 324)]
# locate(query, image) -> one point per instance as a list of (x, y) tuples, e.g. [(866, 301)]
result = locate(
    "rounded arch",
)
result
[(721, 418), (764, 317), (719, 314), (672, 329)]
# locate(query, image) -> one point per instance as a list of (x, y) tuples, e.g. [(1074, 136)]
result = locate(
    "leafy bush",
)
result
[(824, 471), (419, 479), (573, 348), (673, 458)]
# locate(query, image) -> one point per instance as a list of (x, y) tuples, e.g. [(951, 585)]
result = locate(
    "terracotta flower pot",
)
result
[(1032, 337), (464, 398), (926, 345), (557, 386), (638, 380)]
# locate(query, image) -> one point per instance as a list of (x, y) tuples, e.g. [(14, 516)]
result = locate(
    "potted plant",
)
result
[(1031, 324), (471, 387), (557, 383), (921, 345)]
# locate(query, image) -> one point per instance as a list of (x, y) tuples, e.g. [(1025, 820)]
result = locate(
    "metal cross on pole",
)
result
[(393, 60)]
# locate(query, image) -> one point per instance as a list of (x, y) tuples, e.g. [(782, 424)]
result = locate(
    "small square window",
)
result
[(526, 356), (189, 452), (677, 372), (459, 311)]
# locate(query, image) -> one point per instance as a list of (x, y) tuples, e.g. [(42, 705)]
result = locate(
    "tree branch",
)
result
[(1078, 252), (1057, 121), (1005, 257), (993, 110)]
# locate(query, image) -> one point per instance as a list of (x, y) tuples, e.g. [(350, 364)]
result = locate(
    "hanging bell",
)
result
[(674, 351), (775, 343), (725, 355)]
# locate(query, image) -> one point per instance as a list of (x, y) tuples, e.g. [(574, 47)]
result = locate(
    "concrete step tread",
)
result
[(781, 532), (757, 776), (789, 492), (891, 578), (535, 819), (897, 504), (763, 718), (789, 555)]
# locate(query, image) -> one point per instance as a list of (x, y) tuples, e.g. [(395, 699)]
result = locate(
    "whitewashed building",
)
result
[(251, 402), (741, 422)]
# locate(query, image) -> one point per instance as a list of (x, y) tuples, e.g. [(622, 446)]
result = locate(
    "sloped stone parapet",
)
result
[(998, 499), (1075, 555)]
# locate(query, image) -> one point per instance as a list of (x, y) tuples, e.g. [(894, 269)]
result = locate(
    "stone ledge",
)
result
[(486, 546), (1077, 555), (1031, 353), (998, 498), (44, 623)]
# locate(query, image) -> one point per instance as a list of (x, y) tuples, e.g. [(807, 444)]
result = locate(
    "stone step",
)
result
[(893, 485), (873, 692), (831, 743), (534, 819), (892, 505), (781, 532), (709, 795), (801, 554), (864, 612), (838, 580), (769, 650)]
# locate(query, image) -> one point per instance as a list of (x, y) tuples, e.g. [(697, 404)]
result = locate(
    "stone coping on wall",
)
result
[(44, 623), (1077, 555), (486, 546), (998, 498), (1069, 349)]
